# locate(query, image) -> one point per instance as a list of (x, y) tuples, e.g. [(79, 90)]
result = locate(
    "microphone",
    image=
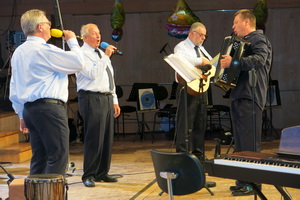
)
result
[(205, 68), (104, 45), (163, 48), (58, 33)]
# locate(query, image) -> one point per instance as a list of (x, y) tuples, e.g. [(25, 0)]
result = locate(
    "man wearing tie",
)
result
[(98, 105), (191, 49)]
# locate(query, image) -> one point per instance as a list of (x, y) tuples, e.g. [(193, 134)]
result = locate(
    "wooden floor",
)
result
[(131, 161)]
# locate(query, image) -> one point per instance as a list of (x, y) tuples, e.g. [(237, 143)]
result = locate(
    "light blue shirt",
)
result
[(94, 77), (186, 49), (40, 70)]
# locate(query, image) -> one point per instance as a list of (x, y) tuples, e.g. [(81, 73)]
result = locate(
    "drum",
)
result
[(45, 187)]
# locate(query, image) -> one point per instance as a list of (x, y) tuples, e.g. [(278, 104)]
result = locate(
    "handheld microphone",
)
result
[(205, 68), (58, 33), (104, 45)]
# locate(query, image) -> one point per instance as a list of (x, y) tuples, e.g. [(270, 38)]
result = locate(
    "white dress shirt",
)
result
[(94, 77), (40, 70), (186, 49)]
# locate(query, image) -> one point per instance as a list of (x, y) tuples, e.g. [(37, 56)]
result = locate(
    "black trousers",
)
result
[(97, 111), (49, 136), (243, 126), (196, 121)]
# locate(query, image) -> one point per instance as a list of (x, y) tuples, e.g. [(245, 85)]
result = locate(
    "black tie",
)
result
[(111, 83), (197, 51), (98, 52), (204, 54)]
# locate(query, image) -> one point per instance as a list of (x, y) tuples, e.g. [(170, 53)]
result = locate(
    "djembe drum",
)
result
[(45, 187)]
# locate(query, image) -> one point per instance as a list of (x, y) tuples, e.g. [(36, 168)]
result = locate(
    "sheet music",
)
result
[(183, 67), (215, 60)]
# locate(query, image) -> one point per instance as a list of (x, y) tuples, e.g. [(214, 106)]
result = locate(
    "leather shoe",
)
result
[(235, 188), (210, 184), (244, 191), (89, 182), (107, 178)]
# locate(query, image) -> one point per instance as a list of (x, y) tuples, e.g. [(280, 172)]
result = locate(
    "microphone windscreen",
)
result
[(104, 45), (56, 33), (207, 67)]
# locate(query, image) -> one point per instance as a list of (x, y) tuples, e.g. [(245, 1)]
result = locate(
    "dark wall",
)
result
[(145, 34)]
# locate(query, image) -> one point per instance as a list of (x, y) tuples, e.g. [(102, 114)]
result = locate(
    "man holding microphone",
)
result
[(39, 91), (98, 105)]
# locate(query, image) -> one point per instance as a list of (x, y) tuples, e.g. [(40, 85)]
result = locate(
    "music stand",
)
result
[(134, 97)]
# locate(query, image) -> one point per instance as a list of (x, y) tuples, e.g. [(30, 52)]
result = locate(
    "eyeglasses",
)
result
[(49, 23), (201, 35)]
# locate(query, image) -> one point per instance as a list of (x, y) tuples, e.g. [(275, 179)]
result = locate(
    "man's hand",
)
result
[(109, 51), (23, 127), (225, 61), (68, 34), (117, 110), (205, 61)]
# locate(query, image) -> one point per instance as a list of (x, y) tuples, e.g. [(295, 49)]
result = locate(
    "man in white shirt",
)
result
[(98, 105), (39, 91), (191, 49)]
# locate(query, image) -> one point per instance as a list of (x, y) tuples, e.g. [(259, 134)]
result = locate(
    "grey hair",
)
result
[(196, 25), (85, 29), (30, 19)]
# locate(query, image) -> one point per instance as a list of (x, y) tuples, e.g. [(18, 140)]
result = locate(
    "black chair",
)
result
[(178, 173), (219, 120), (167, 111), (217, 115), (173, 90), (125, 112)]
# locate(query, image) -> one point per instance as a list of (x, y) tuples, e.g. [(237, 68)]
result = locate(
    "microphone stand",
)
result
[(203, 152), (187, 131), (253, 82), (59, 19), (10, 176)]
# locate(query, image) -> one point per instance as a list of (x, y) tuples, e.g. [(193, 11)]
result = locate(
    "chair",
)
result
[(125, 111), (219, 119), (219, 113), (168, 111), (178, 173), (173, 90)]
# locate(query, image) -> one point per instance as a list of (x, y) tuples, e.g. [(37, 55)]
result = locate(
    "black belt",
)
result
[(91, 92), (48, 100)]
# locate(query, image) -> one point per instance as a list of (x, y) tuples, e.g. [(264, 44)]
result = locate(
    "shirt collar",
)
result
[(86, 46), (35, 38), (191, 43)]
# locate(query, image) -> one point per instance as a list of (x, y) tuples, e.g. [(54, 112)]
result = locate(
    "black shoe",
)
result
[(89, 182), (107, 178), (235, 188), (210, 184), (244, 191)]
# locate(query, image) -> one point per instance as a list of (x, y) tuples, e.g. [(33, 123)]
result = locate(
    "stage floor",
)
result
[(131, 161)]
